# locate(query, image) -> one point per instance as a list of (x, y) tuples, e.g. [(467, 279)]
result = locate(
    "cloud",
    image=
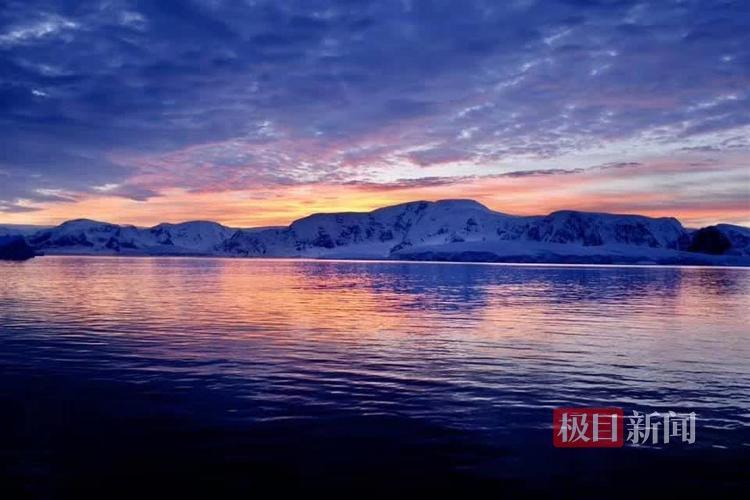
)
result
[(13, 208), (213, 96), (435, 156), (46, 26)]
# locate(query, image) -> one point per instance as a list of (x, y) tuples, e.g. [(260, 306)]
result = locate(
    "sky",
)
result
[(259, 112)]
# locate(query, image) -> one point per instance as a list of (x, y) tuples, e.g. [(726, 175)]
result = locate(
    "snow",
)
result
[(19, 229), (83, 236), (541, 252), (442, 230)]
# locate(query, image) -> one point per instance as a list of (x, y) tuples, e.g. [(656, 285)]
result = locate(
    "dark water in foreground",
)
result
[(175, 376)]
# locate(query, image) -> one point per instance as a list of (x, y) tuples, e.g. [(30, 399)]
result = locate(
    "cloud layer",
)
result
[(137, 100)]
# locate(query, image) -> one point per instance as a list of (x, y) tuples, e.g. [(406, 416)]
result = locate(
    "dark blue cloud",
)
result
[(89, 89)]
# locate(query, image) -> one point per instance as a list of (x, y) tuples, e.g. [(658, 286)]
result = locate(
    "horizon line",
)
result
[(341, 212)]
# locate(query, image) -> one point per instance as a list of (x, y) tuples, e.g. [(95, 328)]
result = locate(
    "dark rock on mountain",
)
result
[(710, 240), (15, 248)]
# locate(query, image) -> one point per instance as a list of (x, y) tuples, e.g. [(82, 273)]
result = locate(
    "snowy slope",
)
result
[(596, 229), (80, 235), (19, 229), (442, 230), (83, 236), (194, 237)]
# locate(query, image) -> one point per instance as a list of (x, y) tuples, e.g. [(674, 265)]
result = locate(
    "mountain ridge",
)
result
[(453, 230)]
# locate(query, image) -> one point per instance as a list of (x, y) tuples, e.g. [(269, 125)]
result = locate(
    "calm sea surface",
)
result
[(226, 375)]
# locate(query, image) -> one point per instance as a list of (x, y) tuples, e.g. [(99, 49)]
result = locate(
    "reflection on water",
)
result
[(486, 350)]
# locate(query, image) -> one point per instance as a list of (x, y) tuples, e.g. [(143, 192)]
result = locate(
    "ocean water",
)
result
[(170, 375)]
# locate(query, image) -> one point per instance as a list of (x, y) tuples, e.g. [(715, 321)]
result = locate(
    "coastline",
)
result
[(518, 263)]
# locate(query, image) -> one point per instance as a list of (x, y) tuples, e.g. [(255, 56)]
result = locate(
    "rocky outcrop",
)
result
[(15, 248)]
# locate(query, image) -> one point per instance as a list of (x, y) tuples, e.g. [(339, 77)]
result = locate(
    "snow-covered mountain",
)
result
[(460, 230), (451, 227), (83, 236), (19, 229)]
